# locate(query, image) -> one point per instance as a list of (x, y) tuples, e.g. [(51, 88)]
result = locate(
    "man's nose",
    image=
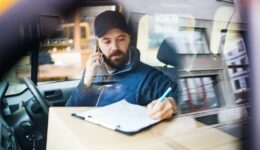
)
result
[(114, 45)]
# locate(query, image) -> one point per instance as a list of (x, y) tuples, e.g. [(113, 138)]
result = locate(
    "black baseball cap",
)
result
[(108, 20)]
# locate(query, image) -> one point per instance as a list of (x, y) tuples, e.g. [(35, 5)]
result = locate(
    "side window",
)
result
[(236, 59), (198, 80), (212, 50), (198, 93), (228, 39), (64, 53), (153, 29), (16, 74)]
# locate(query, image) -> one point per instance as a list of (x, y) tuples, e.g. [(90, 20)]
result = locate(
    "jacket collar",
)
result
[(134, 60)]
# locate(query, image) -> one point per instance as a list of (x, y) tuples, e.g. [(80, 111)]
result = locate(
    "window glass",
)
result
[(197, 69), (198, 93), (153, 29), (208, 49), (234, 68), (243, 62), (228, 39), (16, 74), (247, 82), (236, 58), (64, 53)]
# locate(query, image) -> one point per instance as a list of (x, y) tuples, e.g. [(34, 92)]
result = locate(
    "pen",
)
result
[(161, 99), (77, 116)]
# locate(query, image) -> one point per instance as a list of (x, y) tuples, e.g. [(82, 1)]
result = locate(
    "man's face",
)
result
[(114, 45)]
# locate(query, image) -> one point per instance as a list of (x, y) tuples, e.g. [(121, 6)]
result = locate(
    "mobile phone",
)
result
[(98, 50), (97, 47)]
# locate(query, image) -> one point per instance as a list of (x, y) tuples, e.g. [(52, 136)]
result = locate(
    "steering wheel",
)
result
[(36, 93), (3, 88)]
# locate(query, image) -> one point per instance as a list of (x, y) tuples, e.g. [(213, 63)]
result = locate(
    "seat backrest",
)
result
[(168, 53)]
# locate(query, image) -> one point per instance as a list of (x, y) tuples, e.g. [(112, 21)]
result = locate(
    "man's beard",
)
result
[(119, 62)]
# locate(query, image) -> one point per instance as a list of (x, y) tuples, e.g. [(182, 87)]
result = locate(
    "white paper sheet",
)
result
[(122, 116)]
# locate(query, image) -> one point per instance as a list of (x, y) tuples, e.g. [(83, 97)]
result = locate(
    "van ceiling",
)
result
[(193, 7)]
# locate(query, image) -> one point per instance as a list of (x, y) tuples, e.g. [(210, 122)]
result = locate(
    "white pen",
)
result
[(161, 99)]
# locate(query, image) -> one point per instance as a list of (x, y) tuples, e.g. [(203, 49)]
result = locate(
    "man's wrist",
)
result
[(88, 81)]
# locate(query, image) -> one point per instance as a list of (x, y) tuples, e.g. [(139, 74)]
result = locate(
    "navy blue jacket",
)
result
[(138, 83)]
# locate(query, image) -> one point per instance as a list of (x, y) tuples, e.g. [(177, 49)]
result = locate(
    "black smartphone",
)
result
[(97, 47), (98, 50)]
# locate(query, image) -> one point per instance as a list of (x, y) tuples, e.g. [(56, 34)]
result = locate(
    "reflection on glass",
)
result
[(63, 55), (236, 58), (197, 93), (155, 28), (16, 74)]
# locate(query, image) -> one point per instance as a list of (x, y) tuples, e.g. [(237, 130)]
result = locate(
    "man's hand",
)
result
[(91, 67), (164, 111)]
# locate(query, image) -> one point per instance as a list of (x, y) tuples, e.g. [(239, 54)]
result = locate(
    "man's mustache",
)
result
[(116, 53)]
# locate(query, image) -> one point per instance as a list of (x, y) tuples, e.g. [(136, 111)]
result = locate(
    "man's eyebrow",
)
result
[(122, 35), (105, 38)]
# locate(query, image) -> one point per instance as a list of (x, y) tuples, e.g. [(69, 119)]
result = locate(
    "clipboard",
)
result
[(122, 117)]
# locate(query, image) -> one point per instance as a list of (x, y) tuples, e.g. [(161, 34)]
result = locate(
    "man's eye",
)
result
[(106, 42), (121, 39)]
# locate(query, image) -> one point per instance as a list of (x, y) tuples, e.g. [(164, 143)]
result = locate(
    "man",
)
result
[(136, 82)]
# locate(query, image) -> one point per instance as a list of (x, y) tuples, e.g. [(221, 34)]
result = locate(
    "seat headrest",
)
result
[(167, 53)]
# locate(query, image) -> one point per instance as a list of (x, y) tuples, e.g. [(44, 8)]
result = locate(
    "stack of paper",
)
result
[(121, 116)]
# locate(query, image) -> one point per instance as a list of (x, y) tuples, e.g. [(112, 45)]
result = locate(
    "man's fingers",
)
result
[(151, 105), (165, 110), (162, 106), (161, 115), (150, 108), (167, 115), (97, 54), (168, 111), (174, 105), (95, 58), (94, 61), (91, 67)]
